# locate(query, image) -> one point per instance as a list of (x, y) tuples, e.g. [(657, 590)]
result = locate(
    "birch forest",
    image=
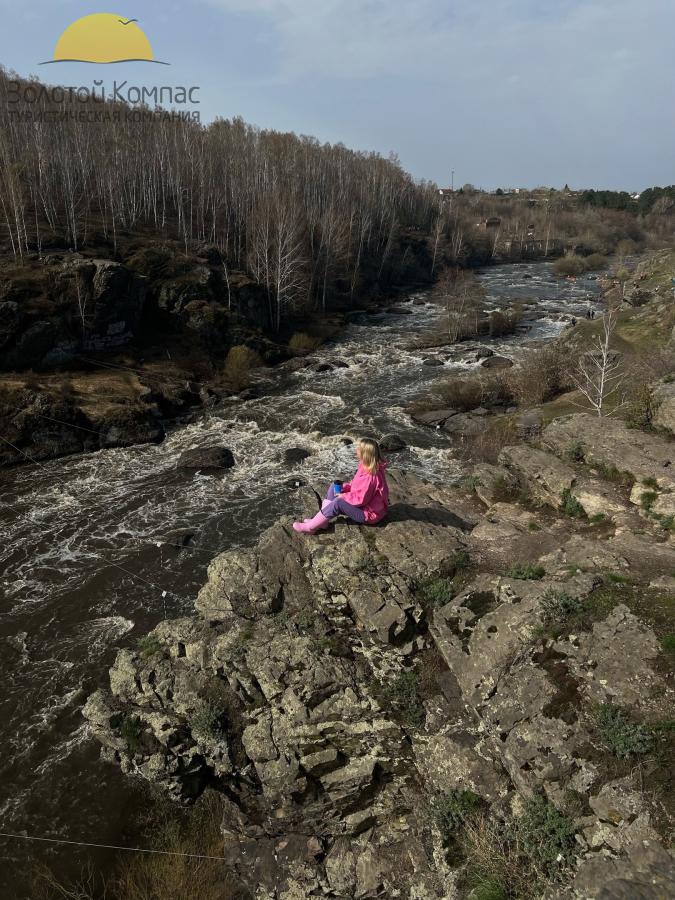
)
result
[(298, 216)]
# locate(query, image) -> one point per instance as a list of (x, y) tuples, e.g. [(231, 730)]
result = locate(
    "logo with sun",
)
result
[(104, 38)]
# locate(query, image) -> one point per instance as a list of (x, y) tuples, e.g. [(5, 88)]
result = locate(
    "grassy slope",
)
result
[(642, 333)]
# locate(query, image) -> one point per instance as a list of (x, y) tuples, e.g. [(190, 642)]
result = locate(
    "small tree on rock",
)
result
[(598, 375)]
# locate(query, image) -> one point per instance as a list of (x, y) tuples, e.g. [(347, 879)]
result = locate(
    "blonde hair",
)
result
[(370, 454)]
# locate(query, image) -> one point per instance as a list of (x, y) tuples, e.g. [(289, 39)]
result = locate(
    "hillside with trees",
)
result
[(304, 219), (135, 239)]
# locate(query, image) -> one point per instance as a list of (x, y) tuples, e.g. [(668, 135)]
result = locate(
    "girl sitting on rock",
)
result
[(365, 499)]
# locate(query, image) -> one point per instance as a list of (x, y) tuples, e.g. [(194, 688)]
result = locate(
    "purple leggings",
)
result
[(339, 507)]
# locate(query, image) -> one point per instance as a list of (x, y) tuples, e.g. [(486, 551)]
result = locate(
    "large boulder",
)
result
[(434, 417), (207, 459), (94, 304), (392, 443), (107, 300), (493, 483), (608, 443), (544, 475), (295, 455), (497, 362)]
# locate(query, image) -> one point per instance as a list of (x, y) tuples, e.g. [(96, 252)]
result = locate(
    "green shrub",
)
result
[(526, 572), (206, 721), (451, 810), (487, 888), (532, 526), (559, 607), (470, 483), (336, 645), (594, 262), (575, 452), (458, 562), (648, 499), (247, 632), (131, 732), (571, 506), (668, 643), (148, 646), (434, 590), (569, 265), (598, 519), (517, 858), (438, 588), (611, 473), (616, 578), (401, 696), (369, 563), (651, 483), (623, 737), (305, 619), (546, 836), (641, 406), (504, 490)]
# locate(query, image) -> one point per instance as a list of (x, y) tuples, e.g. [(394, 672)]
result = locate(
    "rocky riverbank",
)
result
[(104, 351), (476, 692)]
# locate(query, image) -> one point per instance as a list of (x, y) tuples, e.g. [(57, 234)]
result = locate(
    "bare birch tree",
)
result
[(598, 375)]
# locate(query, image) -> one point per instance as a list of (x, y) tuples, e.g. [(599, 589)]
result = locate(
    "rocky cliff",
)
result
[(472, 696)]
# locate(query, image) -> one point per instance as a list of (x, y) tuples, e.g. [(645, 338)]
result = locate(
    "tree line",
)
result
[(304, 219), (299, 216)]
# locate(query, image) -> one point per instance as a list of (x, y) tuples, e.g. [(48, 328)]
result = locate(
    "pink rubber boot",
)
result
[(311, 526)]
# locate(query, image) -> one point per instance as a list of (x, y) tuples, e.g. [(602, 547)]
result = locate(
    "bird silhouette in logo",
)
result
[(98, 38)]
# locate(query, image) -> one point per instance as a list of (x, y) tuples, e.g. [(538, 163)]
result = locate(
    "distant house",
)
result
[(446, 194)]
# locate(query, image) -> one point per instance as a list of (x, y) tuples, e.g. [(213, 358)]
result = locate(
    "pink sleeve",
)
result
[(362, 493)]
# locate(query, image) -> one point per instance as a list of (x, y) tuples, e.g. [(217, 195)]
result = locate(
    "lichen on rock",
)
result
[(335, 686)]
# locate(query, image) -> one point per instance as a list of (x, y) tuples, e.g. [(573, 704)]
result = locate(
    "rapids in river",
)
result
[(93, 548)]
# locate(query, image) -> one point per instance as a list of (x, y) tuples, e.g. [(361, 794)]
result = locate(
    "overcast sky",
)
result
[(505, 92)]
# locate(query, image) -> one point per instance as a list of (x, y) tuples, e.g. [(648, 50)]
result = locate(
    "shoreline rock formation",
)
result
[(338, 690)]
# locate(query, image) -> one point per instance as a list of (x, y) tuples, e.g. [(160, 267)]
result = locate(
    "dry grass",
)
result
[(495, 862), (239, 363), (461, 394), (301, 342), (487, 445), (519, 858), (157, 877), (577, 265), (542, 376)]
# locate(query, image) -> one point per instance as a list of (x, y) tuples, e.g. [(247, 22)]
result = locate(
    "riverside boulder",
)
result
[(207, 459)]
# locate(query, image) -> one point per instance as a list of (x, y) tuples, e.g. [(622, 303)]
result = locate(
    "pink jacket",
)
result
[(370, 492)]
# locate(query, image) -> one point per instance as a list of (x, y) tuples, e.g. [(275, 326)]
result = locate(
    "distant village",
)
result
[(532, 195), (521, 237)]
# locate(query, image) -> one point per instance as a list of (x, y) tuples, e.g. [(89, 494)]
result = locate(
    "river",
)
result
[(92, 558)]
